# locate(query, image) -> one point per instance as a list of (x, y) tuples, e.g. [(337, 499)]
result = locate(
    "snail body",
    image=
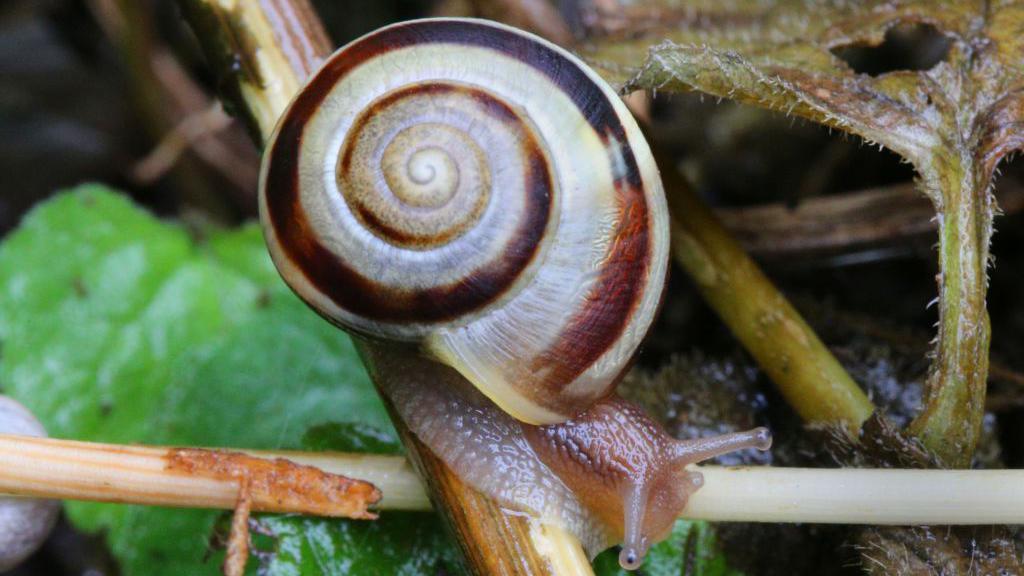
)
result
[(612, 475), (479, 198)]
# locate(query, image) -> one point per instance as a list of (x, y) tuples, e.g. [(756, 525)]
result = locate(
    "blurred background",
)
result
[(116, 91)]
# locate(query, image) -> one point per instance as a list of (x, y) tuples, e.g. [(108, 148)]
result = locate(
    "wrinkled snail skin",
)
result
[(482, 445), (443, 181), (628, 472), (481, 201), (611, 475)]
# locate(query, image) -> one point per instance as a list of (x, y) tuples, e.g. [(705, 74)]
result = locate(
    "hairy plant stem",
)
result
[(805, 371), (950, 423)]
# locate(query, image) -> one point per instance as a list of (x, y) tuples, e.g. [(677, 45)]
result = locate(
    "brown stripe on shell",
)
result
[(495, 108), (396, 236), (611, 304), (567, 75), (354, 292)]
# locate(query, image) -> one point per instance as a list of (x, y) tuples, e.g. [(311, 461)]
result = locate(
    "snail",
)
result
[(477, 197)]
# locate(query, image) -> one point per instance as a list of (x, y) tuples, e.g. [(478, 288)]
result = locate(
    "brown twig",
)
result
[(159, 106), (227, 150), (162, 158), (237, 555), (844, 222)]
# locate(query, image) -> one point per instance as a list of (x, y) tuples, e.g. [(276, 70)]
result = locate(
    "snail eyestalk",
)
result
[(633, 486), (701, 449), (634, 543)]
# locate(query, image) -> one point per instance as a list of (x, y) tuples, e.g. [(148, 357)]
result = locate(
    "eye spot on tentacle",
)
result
[(630, 559)]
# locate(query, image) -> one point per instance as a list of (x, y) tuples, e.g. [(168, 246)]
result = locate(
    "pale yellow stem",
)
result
[(64, 469), (859, 496)]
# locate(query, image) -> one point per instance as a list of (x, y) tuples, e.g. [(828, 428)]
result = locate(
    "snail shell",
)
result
[(481, 192), (25, 523)]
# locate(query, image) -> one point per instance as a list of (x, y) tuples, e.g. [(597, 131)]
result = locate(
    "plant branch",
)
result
[(51, 468), (871, 496), (954, 122), (843, 223), (262, 53)]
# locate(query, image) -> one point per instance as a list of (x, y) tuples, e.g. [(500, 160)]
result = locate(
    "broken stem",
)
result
[(50, 468), (237, 554)]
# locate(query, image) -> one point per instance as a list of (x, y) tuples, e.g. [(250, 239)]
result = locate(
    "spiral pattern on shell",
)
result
[(474, 188)]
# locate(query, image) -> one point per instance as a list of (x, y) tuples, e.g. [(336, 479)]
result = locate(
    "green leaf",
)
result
[(398, 543), (118, 327), (692, 549), (351, 437)]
